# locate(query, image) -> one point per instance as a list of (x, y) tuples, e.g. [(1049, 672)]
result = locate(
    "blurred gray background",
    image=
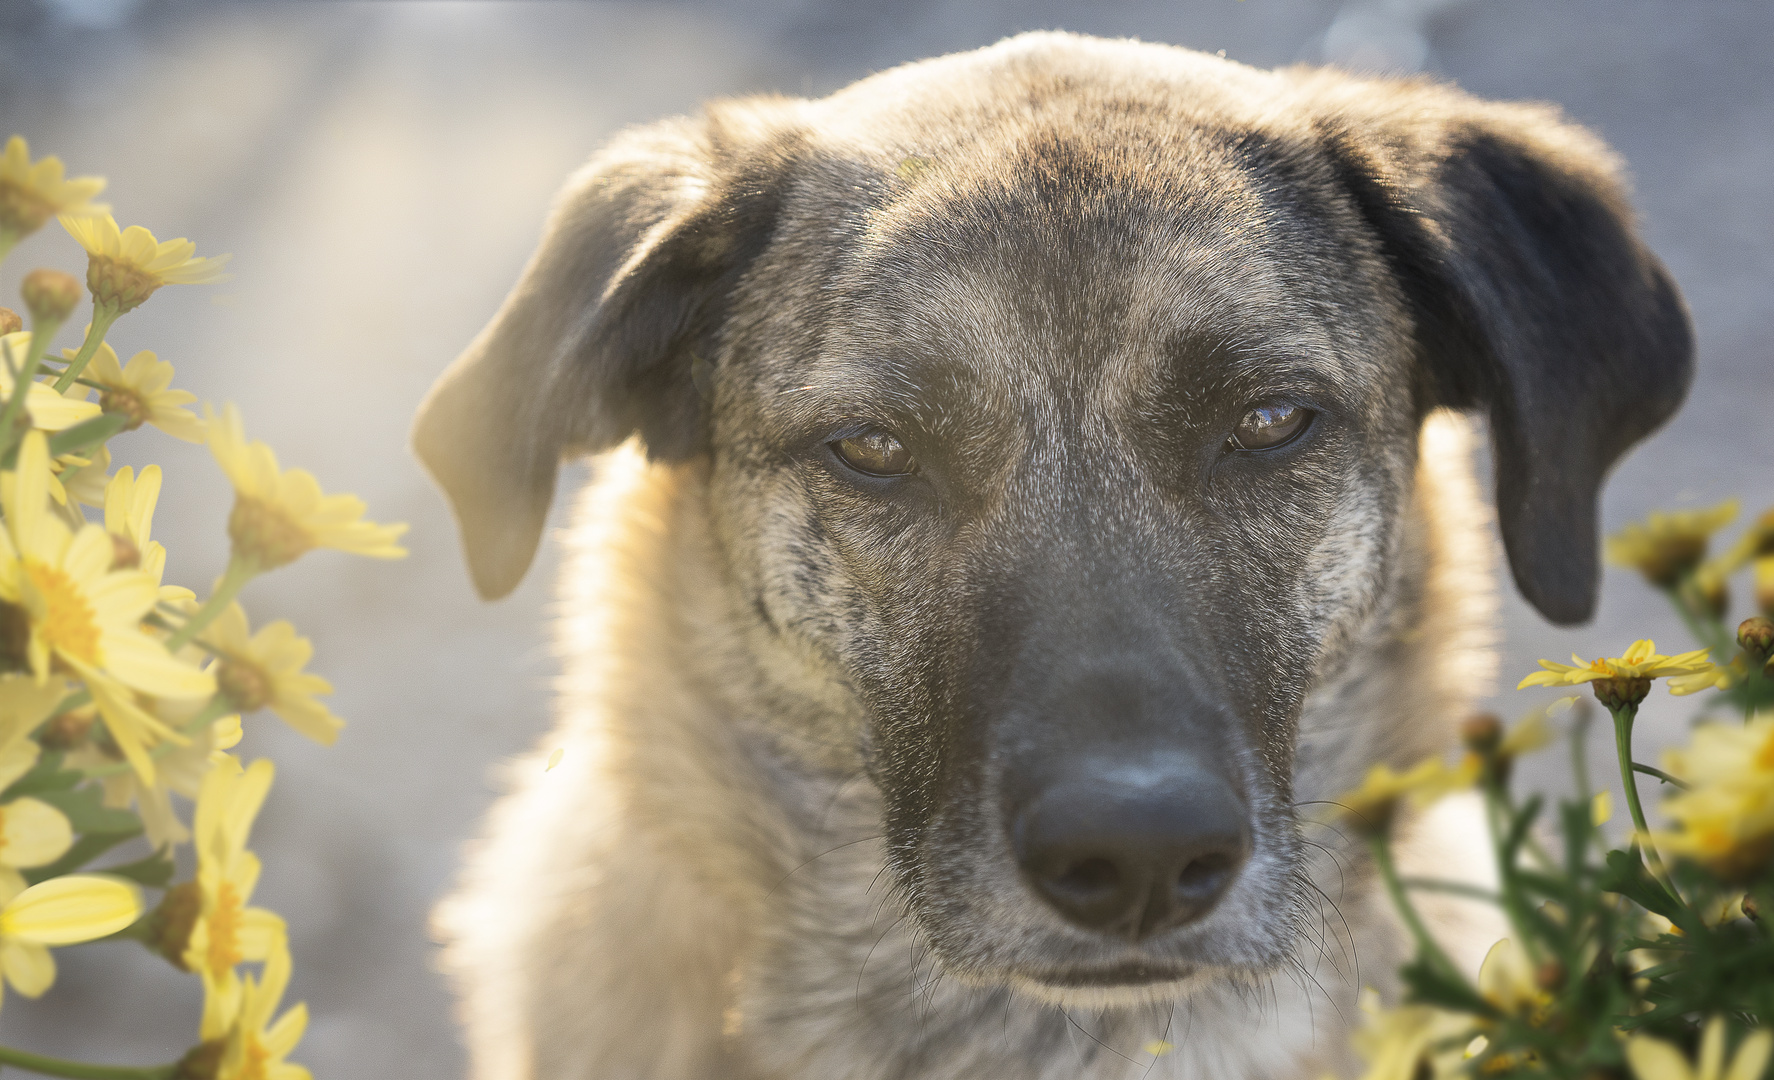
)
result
[(380, 172)]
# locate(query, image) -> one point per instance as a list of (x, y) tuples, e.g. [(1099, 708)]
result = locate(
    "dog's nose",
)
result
[(1133, 849)]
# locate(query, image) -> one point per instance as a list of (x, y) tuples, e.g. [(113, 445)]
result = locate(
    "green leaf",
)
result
[(1626, 875), (1430, 986), (86, 849), (154, 871), (88, 814), (46, 775)]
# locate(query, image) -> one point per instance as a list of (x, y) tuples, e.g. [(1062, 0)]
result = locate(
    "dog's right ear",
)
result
[(594, 344)]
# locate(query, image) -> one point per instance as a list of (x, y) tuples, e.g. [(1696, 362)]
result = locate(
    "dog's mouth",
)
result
[(1117, 975)]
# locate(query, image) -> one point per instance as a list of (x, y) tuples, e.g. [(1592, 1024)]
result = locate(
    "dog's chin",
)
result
[(1117, 986)]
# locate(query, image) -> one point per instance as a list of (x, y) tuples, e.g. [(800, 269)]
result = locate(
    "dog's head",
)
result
[(1063, 400)]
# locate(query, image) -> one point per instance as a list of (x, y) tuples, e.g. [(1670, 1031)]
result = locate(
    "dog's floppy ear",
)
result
[(594, 343), (1511, 236)]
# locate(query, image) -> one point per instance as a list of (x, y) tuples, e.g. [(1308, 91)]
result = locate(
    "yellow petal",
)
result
[(555, 758), (27, 966), (71, 909), (1601, 808), (1752, 1056), (1654, 1059), (33, 833)]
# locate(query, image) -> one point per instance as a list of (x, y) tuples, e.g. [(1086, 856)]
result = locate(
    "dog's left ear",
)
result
[(1509, 232)]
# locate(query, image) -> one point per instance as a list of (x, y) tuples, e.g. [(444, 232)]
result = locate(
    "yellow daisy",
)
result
[(61, 911), (1409, 1042), (1507, 980), (225, 931), (81, 480), (1721, 676), (129, 517), (82, 615), (257, 1046), (1620, 680), (280, 515), (179, 770), (1727, 813), (125, 267), (1653, 1059), (1372, 804), (140, 391), (1666, 545), (264, 670), (49, 410), (31, 194), (32, 832)]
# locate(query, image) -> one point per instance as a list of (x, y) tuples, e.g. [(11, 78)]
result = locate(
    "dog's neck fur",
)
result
[(722, 901)]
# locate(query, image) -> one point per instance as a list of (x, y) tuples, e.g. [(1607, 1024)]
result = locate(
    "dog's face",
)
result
[(1062, 402)]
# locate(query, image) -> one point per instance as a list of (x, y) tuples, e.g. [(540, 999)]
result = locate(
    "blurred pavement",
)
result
[(380, 172)]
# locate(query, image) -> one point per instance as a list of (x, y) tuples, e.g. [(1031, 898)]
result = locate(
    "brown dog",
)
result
[(1043, 499)]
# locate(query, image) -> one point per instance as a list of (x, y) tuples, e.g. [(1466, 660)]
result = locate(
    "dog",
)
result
[(1036, 478)]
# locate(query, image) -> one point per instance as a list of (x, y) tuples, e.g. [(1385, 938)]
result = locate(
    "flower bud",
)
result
[(67, 731), (50, 296), (1482, 733), (243, 683), (1756, 636), (170, 925), (1621, 693), (201, 1062), (10, 323), (1705, 592)]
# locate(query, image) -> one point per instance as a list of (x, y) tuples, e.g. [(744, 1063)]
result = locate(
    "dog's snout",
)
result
[(1132, 849)]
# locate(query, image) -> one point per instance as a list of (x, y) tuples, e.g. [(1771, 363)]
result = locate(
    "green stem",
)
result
[(1498, 814), (218, 707), (1407, 910), (1623, 718), (79, 1070), (24, 378), (238, 574), (1661, 775), (102, 318), (1451, 888)]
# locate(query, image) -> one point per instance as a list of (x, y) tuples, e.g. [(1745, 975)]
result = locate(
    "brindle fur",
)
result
[(796, 704)]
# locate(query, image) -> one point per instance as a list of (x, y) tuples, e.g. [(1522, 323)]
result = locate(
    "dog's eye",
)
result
[(1268, 426), (875, 453)]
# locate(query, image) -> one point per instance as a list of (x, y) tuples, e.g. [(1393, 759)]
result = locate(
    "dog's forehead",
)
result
[(1046, 263)]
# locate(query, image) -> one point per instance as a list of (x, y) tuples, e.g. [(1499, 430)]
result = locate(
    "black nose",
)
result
[(1133, 848)]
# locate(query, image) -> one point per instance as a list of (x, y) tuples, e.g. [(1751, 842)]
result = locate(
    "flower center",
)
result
[(119, 284), (265, 534), (66, 620), (224, 931), (121, 399), (244, 682), (21, 209), (256, 1065)]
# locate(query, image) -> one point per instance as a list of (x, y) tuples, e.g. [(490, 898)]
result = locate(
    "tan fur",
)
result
[(612, 925)]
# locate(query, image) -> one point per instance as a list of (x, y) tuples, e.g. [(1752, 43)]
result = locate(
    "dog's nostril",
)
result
[(1205, 878), (1087, 881)]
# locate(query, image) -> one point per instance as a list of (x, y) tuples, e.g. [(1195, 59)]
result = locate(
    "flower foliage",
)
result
[(119, 691), (1654, 958)]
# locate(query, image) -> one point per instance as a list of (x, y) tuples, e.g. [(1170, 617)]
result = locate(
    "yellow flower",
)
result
[(84, 616), (1668, 544), (226, 931), (32, 832), (180, 770), (81, 479), (140, 391), (264, 670), (256, 1045), (1400, 1044), (49, 411), (1371, 805), (32, 194), (1506, 980), (1653, 1059), (61, 911), (1622, 680), (129, 518), (1727, 815), (280, 515), (125, 267)]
